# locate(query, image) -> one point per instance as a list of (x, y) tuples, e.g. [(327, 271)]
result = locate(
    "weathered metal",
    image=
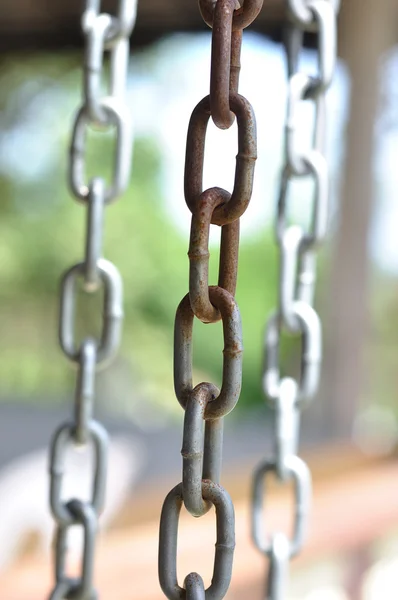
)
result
[(205, 405), (245, 160), (232, 352), (225, 543)]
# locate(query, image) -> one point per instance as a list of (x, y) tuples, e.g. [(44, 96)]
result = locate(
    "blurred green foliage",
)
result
[(41, 234)]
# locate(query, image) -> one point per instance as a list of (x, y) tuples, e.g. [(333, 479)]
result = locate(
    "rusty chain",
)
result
[(295, 312), (205, 406), (96, 275)]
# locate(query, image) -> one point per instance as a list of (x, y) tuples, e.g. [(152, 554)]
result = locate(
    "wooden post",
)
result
[(368, 29)]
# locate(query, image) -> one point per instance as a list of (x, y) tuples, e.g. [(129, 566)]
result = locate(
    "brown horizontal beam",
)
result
[(42, 25)]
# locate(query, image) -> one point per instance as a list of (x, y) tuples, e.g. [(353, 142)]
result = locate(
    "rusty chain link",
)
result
[(205, 406), (102, 33), (297, 275)]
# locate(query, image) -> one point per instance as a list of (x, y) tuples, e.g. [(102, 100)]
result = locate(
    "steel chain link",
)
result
[(102, 33), (205, 406), (295, 312)]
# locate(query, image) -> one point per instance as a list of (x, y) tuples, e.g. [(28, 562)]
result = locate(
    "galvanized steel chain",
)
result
[(95, 275), (295, 312), (205, 406)]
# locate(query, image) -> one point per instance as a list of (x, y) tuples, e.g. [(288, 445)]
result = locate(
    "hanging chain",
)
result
[(205, 406), (295, 312), (96, 275)]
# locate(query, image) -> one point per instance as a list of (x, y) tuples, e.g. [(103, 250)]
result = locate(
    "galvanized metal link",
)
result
[(85, 390), (278, 574), (108, 343), (323, 22), (317, 166), (78, 588), (63, 439), (96, 37), (301, 12), (311, 344), (225, 543), (298, 472), (205, 405), (297, 275), (118, 117), (124, 20), (300, 86), (103, 33)]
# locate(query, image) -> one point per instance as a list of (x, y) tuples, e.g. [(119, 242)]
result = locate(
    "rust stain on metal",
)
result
[(244, 14)]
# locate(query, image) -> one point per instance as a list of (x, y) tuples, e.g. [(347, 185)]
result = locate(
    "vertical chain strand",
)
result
[(297, 274), (206, 406), (102, 33)]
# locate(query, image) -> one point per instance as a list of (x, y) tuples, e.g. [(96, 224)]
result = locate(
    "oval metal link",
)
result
[(225, 544), (199, 255), (233, 348), (194, 448), (102, 32), (297, 471), (301, 11), (325, 18), (306, 277), (112, 316), (118, 116), (317, 167), (220, 72), (289, 259), (297, 276), (299, 87), (243, 16), (310, 355), (63, 438), (124, 21), (245, 159), (79, 588), (96, 46)]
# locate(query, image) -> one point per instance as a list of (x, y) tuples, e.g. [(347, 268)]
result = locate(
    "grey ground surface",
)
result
[(26, 427)]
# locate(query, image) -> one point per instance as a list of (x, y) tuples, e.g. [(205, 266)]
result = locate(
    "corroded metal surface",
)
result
[(205, 406)]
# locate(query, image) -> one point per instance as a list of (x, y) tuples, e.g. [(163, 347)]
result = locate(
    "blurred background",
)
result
[(349, 434)]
